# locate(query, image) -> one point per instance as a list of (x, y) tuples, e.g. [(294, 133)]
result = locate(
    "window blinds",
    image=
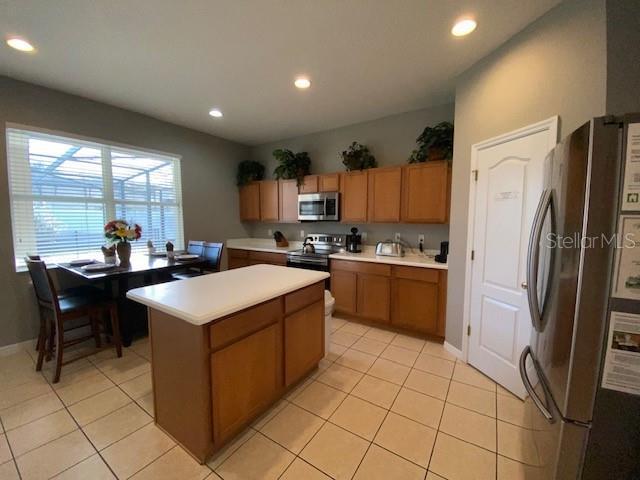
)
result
[(63, 190)]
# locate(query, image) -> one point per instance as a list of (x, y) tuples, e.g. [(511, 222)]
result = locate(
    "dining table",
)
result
[(144, 269)]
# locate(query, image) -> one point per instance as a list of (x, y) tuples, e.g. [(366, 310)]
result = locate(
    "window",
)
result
[(63, 190)]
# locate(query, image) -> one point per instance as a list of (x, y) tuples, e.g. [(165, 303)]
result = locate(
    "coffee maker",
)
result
[(354, 241)]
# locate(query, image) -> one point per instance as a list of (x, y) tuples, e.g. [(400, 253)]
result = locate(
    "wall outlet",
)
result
[(364, 237), (421, 238), (270, 232), (302, 234), (397, 236)]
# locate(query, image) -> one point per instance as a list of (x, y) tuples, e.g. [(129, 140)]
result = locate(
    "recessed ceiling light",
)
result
[(214, 112), (463, 27), (20, 44), (302, 83)]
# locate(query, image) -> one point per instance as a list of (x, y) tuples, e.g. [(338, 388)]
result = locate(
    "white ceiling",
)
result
[(174, 60)]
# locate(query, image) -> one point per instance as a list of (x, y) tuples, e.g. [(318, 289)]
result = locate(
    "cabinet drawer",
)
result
[(244, 323), (361, 267), (235, 253), (416, 273), (306, 296), (268, 257)]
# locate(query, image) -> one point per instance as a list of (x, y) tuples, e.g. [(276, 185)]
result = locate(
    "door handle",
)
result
[(524, 285), (522, 365), (533, 256)]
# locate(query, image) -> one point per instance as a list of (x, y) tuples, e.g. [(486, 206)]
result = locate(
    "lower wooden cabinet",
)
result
[(238, 258), (361, 289), (411, 298), (304, 341), (343, 289), (374, 297), (245, 379)]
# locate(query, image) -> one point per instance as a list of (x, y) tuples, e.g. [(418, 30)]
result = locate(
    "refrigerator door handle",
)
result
[(529, 388), (533, 255)]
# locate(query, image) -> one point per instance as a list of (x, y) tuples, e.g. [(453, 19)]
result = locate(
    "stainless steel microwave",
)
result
[(319, 206)]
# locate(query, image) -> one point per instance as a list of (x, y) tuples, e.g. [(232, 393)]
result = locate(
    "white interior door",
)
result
[(507, 191)]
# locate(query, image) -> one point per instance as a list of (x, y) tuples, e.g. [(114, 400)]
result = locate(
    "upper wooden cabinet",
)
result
[(269, 200), (385, 186), (353, 189), (309, 184), (329, 183), (416, 193), (426, 192), (250, 202), (288, 201)]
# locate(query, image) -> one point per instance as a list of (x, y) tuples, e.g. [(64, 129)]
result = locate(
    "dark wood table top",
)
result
[(140, 264)]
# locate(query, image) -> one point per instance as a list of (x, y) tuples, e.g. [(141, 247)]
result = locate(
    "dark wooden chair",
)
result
[(58, 309), (212, 252), (195, 247)]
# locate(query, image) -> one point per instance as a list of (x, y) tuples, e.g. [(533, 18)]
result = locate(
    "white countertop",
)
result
[(200, 300), (410, 259), (261, 245)]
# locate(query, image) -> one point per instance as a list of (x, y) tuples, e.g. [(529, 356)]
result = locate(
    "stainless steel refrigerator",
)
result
[(577, 427)]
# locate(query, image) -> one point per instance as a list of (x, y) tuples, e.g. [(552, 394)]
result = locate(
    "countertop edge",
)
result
[(389, 261), (203, 320)]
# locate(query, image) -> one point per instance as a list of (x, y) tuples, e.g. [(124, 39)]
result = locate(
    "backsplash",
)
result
[(433, 234)]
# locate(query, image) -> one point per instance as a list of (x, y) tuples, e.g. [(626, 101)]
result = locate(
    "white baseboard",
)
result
[(17, 347), (453, 350)]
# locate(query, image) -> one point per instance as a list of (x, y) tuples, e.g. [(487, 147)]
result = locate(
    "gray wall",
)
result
[(556, 66), (623, 56), (208, 178), (390, 139)]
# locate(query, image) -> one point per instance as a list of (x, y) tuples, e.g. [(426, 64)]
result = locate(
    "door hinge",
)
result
[(473, 254), (468, 330), (475, 175)]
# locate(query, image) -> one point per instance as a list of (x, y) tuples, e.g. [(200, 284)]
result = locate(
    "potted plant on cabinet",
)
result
[(434, 143), (291, 165), (249, 171), (358, 157)]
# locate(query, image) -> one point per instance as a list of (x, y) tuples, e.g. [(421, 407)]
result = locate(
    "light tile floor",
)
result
[(381, 406)]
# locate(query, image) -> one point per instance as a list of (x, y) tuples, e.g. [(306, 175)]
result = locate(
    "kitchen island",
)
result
[(226, 346)]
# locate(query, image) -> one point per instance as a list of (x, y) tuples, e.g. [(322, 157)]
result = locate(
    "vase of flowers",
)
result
[(122, 233)]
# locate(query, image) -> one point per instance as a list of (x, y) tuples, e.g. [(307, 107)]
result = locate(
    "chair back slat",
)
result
[(195, 248), (213, 254), (42, 284)]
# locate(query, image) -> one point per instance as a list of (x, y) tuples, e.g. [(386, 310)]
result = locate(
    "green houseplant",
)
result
[(249, 171), (291, 165), (434, 143), (358, 157)]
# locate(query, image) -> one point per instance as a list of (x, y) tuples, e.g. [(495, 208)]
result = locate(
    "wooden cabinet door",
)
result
[(288, 201), (353, 186), (329, 183), (309, 184), (303, 341), (237, 263), (343, 289), (246, 377), (269, 200), (374, 292), (250, 202), (415, 305), (384, 193), (426, 189)]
